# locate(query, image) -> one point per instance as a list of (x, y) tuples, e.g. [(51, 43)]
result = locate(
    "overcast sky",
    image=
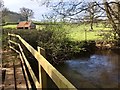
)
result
[(15, 5)]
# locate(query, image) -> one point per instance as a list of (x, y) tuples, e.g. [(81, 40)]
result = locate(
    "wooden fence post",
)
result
[(9, 38), (42, 73)]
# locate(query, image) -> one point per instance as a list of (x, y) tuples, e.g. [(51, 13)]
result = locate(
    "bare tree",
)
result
[(75, 11), (68, 10), (1, 7), (3, 11), (113, 13), (1, 4), (93, 13), (26, 13)]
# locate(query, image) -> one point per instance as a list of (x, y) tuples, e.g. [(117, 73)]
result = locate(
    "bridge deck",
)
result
[(13, 76)]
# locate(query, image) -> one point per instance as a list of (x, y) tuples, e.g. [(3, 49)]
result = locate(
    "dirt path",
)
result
[(0, 68)]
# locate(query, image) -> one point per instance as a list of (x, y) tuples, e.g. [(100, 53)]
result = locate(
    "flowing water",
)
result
[(99, 70)]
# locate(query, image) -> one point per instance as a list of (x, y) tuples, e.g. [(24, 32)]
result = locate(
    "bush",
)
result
[(55, 42), (30, 36), (58, 46), (5, 38)]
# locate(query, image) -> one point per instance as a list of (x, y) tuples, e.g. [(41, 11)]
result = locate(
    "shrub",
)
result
[(30, 36), (57, 45), (5, 38), (54, 40), (51, 40)]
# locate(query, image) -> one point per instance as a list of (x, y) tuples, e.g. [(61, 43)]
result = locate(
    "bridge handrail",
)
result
[(54, 74)]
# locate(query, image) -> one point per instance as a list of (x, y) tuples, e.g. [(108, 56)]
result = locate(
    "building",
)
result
[(26, 25)]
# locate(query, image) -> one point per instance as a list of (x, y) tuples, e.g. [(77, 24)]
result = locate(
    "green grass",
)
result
[(15, 26), (77, 32), (40, 27), (10, 26), (80, 36)]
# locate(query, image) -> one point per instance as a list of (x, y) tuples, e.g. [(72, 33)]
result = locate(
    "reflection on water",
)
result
[(98, 71)]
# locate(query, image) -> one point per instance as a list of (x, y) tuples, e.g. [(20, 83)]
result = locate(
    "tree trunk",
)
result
[(118, 19), (91, 22), (91, 26), (26, 18), (112, 19)]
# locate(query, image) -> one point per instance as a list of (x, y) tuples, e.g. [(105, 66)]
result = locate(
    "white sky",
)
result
[(15, 5)]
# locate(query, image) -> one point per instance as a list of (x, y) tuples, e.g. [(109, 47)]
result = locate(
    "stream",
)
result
[(99, 70)]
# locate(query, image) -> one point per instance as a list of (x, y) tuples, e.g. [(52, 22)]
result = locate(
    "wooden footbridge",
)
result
[(45, 69)]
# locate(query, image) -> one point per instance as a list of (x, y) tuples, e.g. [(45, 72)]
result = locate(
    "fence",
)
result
[(43, 65)]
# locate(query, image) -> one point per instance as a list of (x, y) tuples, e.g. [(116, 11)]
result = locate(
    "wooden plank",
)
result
[(10, 41), (42, 73), (57, 77), (28, 66), (37, 84), (19, 77), (20, 80), (23, 65), (9, 79), (2, 71), (25, 72), (14, 35), (14, 49)]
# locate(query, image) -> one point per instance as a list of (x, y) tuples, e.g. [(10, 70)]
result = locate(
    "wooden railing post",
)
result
[(9, 38), (45, 68), (42, 73)]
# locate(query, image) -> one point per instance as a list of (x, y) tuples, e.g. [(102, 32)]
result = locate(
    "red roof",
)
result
[(24, 24)]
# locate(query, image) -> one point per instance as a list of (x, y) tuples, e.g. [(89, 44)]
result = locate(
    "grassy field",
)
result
[(10, 26), (77, 32), (14, 26), (82, 32)]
